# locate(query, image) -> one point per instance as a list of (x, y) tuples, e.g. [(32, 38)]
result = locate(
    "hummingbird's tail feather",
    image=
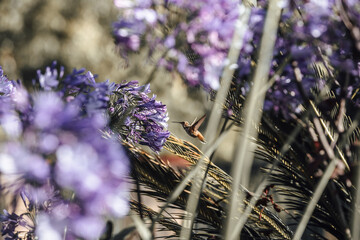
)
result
[(201, 138)]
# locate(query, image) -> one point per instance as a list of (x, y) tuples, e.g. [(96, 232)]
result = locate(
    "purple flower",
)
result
[(198, 39), (13, 98), (307, 40), (78, 87), (15, 158), (60, 149), (6, 86), (136, 20), (206, 29), (10, 223), (138, 118), (50, 79)]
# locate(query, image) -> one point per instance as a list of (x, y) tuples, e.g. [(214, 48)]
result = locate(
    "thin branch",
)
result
[(143, 231), (252, 114), (323, 182), (283, 150), (226, 78), (354, 30), (356, 216), (264, 181), (156, 67), (138, 194), (193, 172), (309, 103)]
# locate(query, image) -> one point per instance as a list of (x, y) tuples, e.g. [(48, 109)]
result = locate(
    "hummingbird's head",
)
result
[(184, 124)]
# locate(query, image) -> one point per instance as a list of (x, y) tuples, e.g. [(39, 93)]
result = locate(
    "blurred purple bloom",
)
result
[(15, 158), (50, 79), (59, 147), (306, 39), (136, 20), (283, 97), (49, 230), (39, 202), (6, 86), (78, 87), (127, 34), (60, 141), (198, 40), (208, 27), (9, 120)]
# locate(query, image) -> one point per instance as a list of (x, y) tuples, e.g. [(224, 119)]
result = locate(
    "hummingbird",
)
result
[(192, 129)]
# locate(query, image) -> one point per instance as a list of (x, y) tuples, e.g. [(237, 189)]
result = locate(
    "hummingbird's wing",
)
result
[(193, 123), (198, 123)]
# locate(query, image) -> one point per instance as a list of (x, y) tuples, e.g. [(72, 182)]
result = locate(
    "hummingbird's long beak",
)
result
[(176, 122)]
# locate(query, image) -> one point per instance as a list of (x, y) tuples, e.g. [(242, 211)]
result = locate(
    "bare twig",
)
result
[(356, 216), (253, 106), (323, 182), (354, 30), (319, 125), (264, 181), (226, 78), (156, 67), (138, 194), (143, 231), (193, 172)]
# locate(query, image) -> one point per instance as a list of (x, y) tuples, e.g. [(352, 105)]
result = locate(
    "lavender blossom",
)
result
[(129, 30), (329, 42), (79, 86), (8, 119), (208, 30), (60, 148), (309, 39), (10, 224), (50, 79), (138, 118), (196, 37), (6, 86)]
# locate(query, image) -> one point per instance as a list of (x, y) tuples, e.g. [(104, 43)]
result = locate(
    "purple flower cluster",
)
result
[(10, 222), (136, 20), (320, 36), (64, 166), (283, 96), (137, 117), (57, 156), (196, 37), (206, 35)]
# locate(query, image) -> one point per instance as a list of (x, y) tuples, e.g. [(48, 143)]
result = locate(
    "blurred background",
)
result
[(78, 34)]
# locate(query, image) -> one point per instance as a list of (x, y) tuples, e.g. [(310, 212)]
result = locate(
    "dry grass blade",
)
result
[(189, 152), (243, 155), (192, 154), (169, 223), (226, 78), (159, 179), (294, 174)]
